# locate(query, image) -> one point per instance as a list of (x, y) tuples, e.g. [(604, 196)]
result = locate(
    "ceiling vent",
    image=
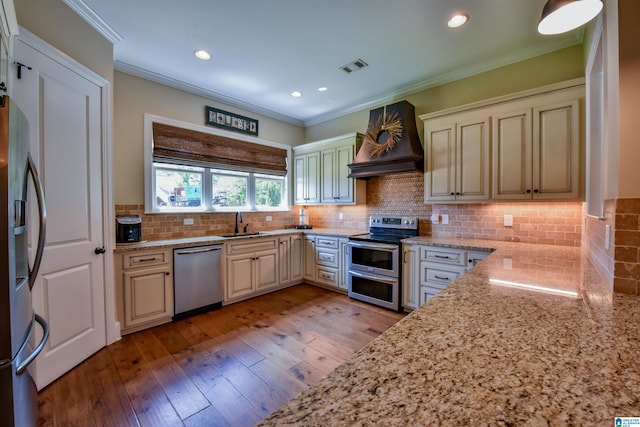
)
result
[(355, 65)]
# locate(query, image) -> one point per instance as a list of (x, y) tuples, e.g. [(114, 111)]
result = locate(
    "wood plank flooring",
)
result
[(229, 367)]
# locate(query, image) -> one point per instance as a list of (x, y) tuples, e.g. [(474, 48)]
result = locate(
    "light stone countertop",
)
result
[(530, 336), (218, 239)]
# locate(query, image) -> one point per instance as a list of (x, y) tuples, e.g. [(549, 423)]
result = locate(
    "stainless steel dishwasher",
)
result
[(197, 280)]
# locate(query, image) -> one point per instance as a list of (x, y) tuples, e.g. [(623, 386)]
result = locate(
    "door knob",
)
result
[(99, 251)]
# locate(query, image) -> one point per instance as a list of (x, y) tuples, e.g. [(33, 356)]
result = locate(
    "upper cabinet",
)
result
[(523, 147), (457, 158), (536, 151), (321, 172)]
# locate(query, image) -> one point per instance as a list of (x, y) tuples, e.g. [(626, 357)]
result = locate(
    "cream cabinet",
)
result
[(290, 254), (306, 172), (309, 244), (457, 158), (536, 151), (410, 276), (519, 147), (145, 291), (251, 267), (344, 264), (325, 261), (321, 172)]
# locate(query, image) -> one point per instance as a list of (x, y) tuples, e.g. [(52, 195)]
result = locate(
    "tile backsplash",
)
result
[(557, 223)]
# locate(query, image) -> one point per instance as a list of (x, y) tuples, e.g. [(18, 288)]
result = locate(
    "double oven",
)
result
[(375, 267)]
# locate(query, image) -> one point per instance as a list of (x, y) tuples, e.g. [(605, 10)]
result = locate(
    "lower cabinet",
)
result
[(145, 291), (326, 260), (290, 258), (251, 267), (427, 270)]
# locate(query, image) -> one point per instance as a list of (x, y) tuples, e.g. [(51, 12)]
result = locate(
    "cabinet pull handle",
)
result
[(146, 259), (99, 251), (443, 256), (441, 278), (404, 257)]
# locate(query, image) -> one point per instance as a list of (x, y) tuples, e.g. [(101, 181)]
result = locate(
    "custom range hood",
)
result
[(391, 144)]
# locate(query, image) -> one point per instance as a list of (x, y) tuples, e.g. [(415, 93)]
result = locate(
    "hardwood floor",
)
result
[(229, 367)]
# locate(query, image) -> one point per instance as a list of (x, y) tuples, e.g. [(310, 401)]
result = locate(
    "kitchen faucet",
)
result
[(238, 214)]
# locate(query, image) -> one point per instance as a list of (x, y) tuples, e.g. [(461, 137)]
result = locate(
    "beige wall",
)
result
[(564, 64), (133, 97), (58, 25)]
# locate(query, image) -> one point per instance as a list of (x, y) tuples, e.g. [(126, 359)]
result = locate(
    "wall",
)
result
[(561, 65), (133, 97), (54, 22)]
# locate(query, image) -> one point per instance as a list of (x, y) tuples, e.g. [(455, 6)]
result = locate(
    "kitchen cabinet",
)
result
[(325, 261), (290, 259), (457, 158), (321, 172), (410, 275), (536, 151), (519, 147), (306, 172), (309, 258), (251, 267), (145, 291), (344, 264)]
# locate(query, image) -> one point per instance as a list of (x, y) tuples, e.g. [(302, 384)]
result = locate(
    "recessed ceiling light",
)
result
[(458, 20), (322, 89), (296, 94), (202, 55)]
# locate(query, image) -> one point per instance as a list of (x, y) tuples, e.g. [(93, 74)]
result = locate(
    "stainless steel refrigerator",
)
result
[(18, 347)]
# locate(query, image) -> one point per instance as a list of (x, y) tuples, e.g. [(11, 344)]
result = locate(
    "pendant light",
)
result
[(560, 16)]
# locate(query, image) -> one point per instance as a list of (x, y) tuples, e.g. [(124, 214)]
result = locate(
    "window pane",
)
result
[(229, 190), (178, 187), (269, 191)]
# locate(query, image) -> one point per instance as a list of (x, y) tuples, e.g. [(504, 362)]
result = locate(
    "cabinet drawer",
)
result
[(254, 245), (144, 259), (327, 242), (443, 255), (439, 274), (327, 276), (327, 258)]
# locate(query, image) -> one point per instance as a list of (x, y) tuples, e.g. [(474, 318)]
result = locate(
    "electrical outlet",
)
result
[(269, 218), (188, 221), (508, 220), (340, 216), (445, 218)]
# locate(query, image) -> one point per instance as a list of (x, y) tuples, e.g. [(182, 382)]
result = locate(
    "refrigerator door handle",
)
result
[(42, 221), (45, 336)]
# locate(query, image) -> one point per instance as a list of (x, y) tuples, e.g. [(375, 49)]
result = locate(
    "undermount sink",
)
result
[(252, 233)]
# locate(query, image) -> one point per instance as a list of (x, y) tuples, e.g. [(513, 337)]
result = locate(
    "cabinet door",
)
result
[(301, 179), (410, 282), (239, 276), (472, 159), (148, 296), (266, 270), (296, 261), (343, 282), (328, 166), (440, 163), (512, 155), (310, 258), (556, 151), (344, 186), (284, 260), (313, 178)]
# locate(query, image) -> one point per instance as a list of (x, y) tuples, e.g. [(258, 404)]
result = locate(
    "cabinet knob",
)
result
[(528, 191), (99, 251), (536, 191), (166, 273), (452, 194), (458, 193)]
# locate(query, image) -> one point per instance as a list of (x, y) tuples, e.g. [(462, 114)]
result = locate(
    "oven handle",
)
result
[(379, 246), (376, 278)]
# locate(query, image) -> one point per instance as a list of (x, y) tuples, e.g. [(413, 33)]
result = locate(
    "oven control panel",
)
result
[(405, 223)]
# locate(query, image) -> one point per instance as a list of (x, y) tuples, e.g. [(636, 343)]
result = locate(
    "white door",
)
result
[(64, 113)]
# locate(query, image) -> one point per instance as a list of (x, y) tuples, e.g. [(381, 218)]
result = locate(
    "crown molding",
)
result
[(196, 90), (92, 18)]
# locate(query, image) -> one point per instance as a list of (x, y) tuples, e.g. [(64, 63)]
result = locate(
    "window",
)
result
[(191, 168)]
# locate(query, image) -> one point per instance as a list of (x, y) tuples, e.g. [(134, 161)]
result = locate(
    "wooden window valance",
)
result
[(184, 146)]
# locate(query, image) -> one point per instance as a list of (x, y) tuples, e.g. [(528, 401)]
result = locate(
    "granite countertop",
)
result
[(530, 336), (208, 240)]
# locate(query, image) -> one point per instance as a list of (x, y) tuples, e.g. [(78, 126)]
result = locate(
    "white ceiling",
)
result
[(264, 49)]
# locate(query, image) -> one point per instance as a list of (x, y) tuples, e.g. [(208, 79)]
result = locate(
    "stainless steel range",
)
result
[(375, 268)]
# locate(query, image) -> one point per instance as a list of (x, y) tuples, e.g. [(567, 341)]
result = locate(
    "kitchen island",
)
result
[(530, 336)]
